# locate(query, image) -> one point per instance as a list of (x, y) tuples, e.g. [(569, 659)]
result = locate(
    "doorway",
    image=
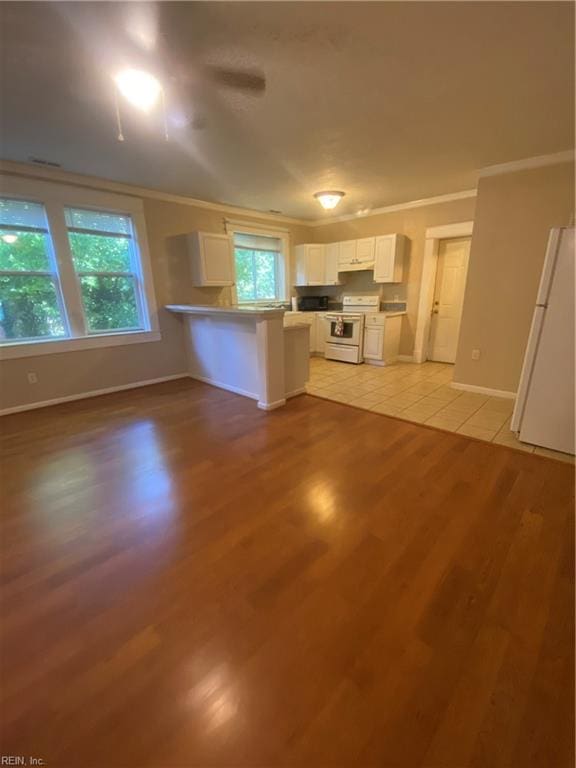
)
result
[(450, 282)]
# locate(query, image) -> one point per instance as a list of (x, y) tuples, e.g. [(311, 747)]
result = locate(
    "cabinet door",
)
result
[(365, 249), (216, 256), (331, 256), (315, 264), (373, 342), (384, 259), (347, 252)]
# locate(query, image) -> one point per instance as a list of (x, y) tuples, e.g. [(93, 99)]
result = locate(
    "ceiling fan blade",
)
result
[(239, 79)]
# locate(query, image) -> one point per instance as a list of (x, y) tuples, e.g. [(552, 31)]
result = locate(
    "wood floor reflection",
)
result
[(188, 581)]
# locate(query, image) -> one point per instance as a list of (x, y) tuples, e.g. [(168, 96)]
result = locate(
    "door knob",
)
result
[(434, 311)]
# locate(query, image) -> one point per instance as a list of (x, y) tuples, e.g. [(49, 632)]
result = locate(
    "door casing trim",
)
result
[(430, 262)]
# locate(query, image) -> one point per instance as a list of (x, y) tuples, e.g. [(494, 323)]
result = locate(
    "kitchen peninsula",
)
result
[(247, 350)]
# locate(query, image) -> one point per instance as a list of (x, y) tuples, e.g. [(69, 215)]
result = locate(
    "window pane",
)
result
[(98, 221), (265, 266), (14, 212), (110, 303), (98, 253), (244, 275), (255, 275), (24, 251), (29, 308)]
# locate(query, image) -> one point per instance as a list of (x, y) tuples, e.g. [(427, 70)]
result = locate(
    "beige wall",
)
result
[(514, 214), (512, 219), (72, 373), (413, 223)]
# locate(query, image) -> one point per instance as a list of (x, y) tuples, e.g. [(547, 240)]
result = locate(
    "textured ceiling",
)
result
[(388, 101)]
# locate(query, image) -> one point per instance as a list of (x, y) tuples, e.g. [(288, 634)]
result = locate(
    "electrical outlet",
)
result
[(32, 378), (475, 354)]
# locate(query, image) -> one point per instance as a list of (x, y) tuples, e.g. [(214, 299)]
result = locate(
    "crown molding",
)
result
[(528, 163), (54, 175), (26, 170), (399, 207)]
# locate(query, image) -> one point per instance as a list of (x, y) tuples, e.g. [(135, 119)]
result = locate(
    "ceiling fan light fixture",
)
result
[(138, 87), (329, 199)]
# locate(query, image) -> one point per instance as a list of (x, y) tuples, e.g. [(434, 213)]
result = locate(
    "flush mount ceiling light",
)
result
[(140, 88), (9, 239), (329, 200)]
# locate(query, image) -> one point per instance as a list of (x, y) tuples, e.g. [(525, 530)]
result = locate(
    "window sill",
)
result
[(57, 346)]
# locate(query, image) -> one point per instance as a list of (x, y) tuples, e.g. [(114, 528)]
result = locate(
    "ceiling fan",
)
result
[(143, 90), (238, 79)]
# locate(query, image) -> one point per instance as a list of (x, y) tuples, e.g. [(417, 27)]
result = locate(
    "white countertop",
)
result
[(246, 310)]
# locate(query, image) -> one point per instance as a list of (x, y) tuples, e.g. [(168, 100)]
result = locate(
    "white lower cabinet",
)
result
[(382, 339), (373, 342)]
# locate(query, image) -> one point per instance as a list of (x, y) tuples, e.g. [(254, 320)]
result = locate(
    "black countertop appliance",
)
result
[(313, 303)]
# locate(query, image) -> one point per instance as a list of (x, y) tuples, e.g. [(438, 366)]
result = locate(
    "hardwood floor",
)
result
[(188, 581)]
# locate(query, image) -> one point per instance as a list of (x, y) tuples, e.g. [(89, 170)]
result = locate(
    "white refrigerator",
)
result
[(544, 411)]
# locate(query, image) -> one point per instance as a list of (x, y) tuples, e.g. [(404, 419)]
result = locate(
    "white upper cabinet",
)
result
[(389, 258), (309, 264), (319, 264), (365, 250), (331, 257), (356, 254), (347, 253), (212, 259)]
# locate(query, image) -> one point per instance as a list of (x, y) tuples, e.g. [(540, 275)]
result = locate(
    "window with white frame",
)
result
[(31, 304), (72, 271), (107, 269), (259, 268)]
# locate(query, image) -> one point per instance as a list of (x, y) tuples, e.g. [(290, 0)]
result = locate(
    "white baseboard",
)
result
[(295, 392), (91, 393), (483, 390), (405, 358), (228, 387), (271, 406)]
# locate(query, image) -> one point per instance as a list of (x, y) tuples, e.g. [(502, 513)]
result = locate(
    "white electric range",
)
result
[(345, 329)]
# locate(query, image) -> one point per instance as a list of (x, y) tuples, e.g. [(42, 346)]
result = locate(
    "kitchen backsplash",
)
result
[(393, 306)]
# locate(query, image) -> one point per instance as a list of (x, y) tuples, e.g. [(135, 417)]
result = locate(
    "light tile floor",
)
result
[(420, 393)]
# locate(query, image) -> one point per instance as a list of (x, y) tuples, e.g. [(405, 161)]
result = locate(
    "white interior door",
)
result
[(448, 298)]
